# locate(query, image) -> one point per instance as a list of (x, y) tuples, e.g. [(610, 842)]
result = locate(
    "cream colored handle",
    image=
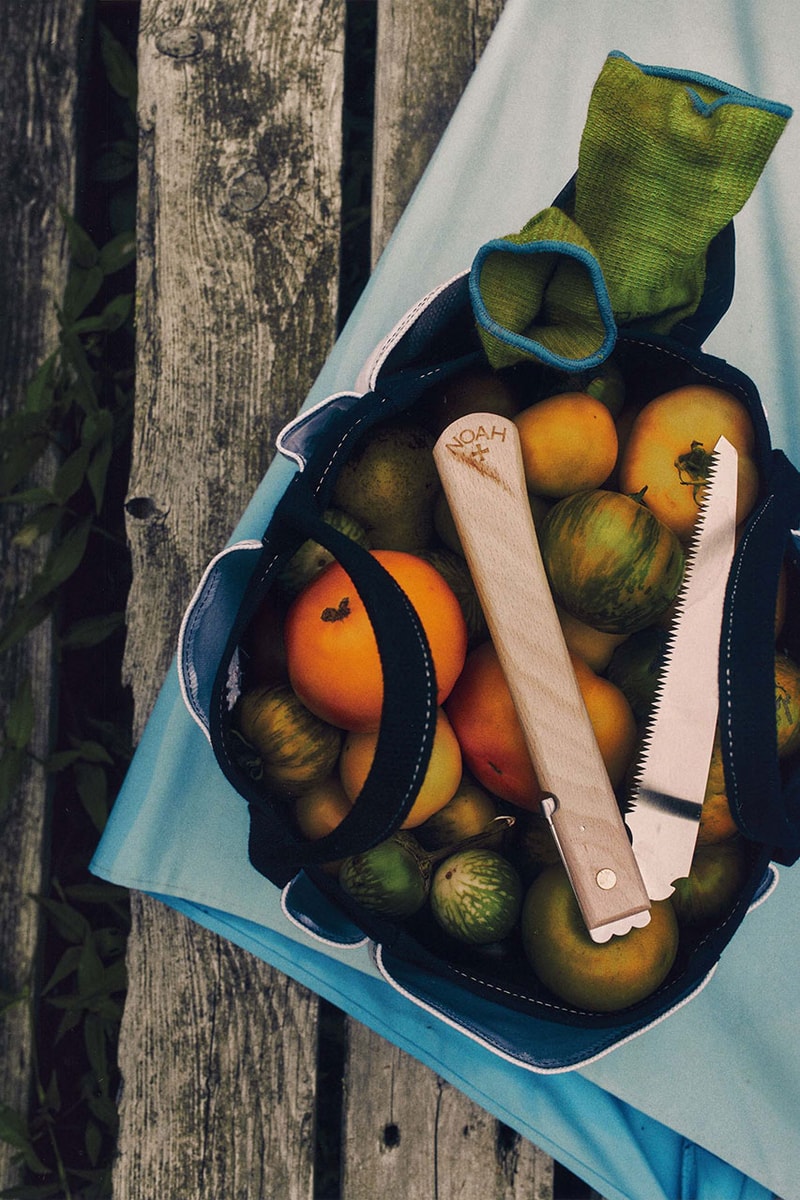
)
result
[(479, 461)]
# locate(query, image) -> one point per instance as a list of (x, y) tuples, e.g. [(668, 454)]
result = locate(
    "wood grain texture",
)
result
[(240, 151), (240, 154), (410, 1134), (427, 52), (219, 1063), (40, 47), (479, 459)]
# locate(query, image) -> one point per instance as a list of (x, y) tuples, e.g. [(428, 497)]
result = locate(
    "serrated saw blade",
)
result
[(673, 766)]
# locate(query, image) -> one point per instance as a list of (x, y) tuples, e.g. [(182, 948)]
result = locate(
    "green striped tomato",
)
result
[(610, 561), (476, 896)]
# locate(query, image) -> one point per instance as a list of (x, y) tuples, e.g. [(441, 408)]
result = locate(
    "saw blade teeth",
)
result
[(679, 604)]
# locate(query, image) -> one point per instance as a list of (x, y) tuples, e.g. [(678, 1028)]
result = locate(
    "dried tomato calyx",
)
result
[(693, 469), (339, 613)]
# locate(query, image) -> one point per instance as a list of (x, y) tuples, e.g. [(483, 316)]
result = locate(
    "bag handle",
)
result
[(408, 718), (764, 804)]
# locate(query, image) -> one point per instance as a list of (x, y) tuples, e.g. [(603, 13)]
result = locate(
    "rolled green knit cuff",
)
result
[(520, 314)]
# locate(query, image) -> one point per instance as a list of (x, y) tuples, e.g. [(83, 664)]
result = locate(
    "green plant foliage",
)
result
[(79, 402)]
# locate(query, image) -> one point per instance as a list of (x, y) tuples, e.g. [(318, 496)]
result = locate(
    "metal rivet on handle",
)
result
[(606, 879)]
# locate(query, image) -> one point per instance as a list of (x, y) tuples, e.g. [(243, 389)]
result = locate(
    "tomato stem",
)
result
[(693, 469), (340, 613)]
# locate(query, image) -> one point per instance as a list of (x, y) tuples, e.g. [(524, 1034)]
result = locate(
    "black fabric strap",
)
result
[(766, 807), (408, 718)]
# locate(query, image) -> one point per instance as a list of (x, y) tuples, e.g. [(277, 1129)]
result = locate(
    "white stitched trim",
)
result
[(202, 598), (503, 1054), (317, 937), (369, 372)]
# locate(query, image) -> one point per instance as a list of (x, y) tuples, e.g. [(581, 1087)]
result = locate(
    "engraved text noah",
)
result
[(475, 438)]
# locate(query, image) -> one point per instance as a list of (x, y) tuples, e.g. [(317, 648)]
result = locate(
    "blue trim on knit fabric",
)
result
[(729, 93), (529, 346)]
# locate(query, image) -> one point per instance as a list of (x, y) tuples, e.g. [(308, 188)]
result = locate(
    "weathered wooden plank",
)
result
[(40, 45), (238, 265), (237, 278), (219, 1069), (427, 51), (410, 1134)]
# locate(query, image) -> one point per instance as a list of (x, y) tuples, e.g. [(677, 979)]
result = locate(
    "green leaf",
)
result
[(96, 1041), (107, 1009), (52, 1096), (91, 973), (21, 716), (83, 285), (18, 461), (105, 1110), (83, 250), (91, 631), (96, 427), (120, 67), (117, 311), (96, 893), (69, 1020), (12, 999), (25, 617), (31, 495), (83, 389), (14, 1131), (98, 471), (101, 1178), (70, 925), (117, 253), (64, 967), (116, 977), (34, 1191), (114, 165), (91, 751), (71, 474), (93, 1140), (92, 788), (61, 760), (40, 390), (111, 942), (86, 751), (13, 1127), (62, 562), (113, 316), (40, 524)]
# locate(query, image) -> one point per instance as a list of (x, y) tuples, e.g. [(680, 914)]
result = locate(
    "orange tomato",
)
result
[(439, 785), (669, 447), (716, 820), (611, 717), (321, 810), (331, 651), (485, 721), (568, 442), (594, 646)]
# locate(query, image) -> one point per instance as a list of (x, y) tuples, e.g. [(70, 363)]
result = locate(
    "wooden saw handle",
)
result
[(479, 461)]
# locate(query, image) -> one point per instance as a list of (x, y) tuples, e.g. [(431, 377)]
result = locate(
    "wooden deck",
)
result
[(238, 1083)]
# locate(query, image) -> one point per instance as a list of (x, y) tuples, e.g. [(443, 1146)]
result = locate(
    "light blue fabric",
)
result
[(705, 1106)]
